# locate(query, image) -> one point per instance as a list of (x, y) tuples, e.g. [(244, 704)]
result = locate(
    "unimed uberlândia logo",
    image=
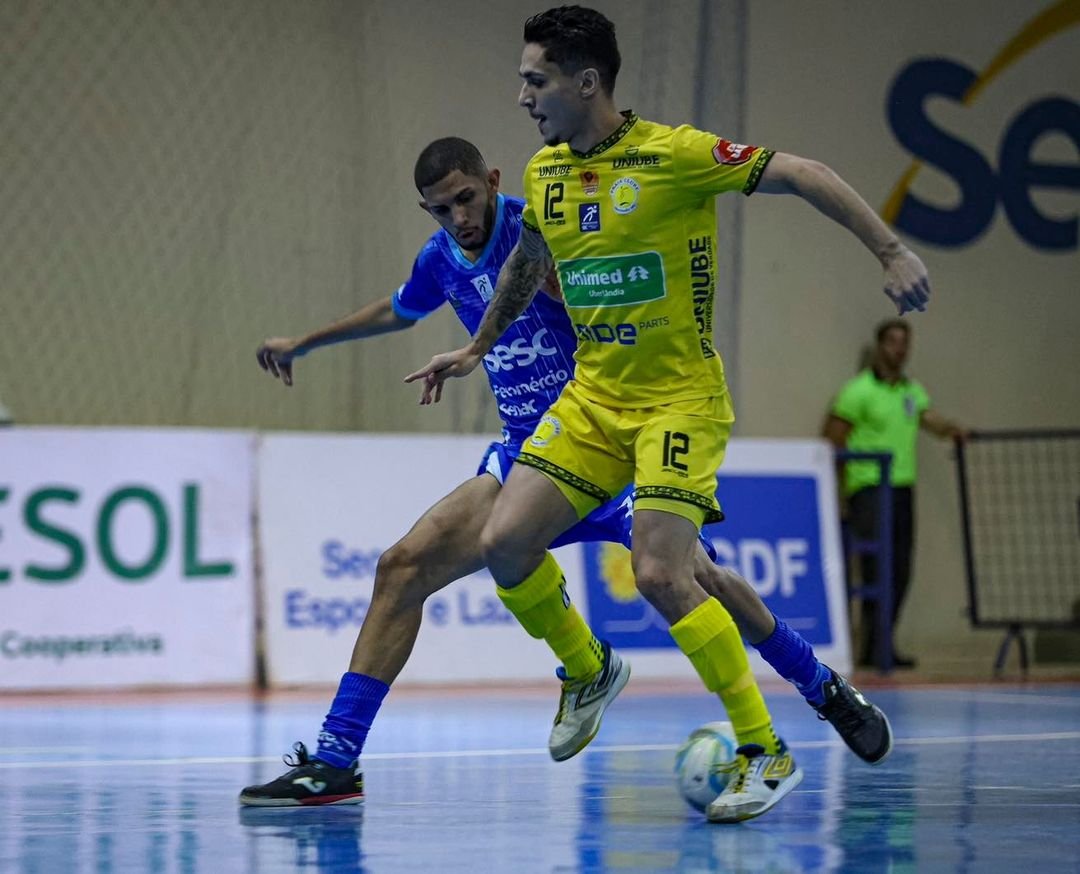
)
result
[(982, 187)]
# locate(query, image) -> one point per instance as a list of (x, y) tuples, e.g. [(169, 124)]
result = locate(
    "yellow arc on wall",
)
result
[(1059, 17)]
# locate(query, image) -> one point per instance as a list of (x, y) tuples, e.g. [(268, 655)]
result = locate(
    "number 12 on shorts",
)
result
[(676, 443)]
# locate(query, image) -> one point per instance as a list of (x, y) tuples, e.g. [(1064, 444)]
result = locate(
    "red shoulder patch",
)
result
[(727, 152)]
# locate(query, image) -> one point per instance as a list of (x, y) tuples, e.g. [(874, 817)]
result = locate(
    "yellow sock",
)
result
[(709, 638), (543, 608)]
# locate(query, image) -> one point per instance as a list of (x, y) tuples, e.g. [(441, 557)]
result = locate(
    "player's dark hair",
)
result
[(884, 327), (443, 157), (574, 38)]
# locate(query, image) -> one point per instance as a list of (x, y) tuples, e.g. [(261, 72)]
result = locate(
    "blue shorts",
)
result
[(611, 522)]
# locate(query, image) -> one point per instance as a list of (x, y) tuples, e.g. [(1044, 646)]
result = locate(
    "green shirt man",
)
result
[(882, 410), (884, 417)]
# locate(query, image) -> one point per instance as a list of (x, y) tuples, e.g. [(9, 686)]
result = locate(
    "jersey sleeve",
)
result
[(848, 404), (528, 214), (706, 164), (922, 399), (420, 295)]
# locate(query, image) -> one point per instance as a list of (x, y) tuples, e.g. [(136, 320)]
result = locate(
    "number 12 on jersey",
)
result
[(553, 196)]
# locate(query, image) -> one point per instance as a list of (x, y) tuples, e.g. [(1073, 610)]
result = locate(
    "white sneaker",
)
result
[(582, 705), (758, 781)]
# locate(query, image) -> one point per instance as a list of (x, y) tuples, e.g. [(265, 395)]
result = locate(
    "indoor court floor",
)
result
[(983, 778)]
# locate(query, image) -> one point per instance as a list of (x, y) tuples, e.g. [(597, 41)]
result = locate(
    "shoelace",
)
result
[(564, 702), (302, 757), (741, 767), (569, 687)]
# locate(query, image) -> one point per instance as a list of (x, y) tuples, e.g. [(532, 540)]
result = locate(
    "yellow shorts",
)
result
[(670, 452)]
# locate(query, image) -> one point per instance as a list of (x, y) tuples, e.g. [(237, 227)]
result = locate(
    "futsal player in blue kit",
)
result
[(526, 370)]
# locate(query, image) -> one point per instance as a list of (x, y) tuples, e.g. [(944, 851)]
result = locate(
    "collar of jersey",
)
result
[(605, 144), (902, 380), (459, 256)]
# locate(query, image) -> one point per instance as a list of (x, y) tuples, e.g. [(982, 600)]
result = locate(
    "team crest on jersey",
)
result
[(727, 152), (588, 217), (909, 405), (482, 284), (548, 429), (590, 183), (624, 195)]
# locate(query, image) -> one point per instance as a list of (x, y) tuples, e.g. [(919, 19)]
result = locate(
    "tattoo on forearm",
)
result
[(533, 245), (520, 277)]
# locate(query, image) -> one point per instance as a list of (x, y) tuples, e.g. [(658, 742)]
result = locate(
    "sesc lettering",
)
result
[(520, 352), (340, 561), (330, 614), (982, 187), (468, 609), (485, 610)]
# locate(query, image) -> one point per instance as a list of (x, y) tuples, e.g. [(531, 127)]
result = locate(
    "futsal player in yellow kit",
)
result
[(623, 207)]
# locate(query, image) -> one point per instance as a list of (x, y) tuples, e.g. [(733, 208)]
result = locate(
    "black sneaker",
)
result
[(310, 782), (864, 728)]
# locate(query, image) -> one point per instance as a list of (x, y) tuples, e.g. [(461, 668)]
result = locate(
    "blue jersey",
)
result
[(534, 358)]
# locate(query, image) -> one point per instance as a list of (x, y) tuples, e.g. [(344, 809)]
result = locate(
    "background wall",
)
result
[(997, 348), (180, 180)]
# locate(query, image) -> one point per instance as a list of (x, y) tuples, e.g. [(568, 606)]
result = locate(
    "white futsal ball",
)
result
[(699, 762)]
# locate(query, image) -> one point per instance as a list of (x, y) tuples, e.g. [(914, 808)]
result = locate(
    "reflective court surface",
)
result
[(982, 778)]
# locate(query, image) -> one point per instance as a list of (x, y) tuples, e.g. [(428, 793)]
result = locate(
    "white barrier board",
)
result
[(330, 505), (125, 558)]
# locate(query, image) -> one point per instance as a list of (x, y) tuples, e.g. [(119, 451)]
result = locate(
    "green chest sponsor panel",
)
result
[(617, 280)]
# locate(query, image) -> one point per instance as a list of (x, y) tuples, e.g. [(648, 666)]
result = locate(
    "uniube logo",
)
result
[(519, 353), (1018, 173)]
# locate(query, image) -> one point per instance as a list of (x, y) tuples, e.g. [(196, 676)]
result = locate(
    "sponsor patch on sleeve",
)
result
[(727, 152)]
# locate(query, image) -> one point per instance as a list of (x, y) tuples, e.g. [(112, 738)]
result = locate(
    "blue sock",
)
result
[(794, 660), (347, 724)]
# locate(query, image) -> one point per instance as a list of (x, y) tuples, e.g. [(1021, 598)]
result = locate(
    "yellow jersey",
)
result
[(631, 225)]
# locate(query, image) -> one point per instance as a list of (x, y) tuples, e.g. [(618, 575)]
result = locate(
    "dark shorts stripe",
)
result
[(673, 494), (559, 473)]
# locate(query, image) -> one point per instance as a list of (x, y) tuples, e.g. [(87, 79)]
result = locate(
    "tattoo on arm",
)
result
[(533, 245), (522, 274)]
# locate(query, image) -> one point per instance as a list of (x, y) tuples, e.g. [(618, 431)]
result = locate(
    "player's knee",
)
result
[(495, 545), (654, 580), (498, 532), (507, 554), (671, 595), (399, 575), (720, 582)]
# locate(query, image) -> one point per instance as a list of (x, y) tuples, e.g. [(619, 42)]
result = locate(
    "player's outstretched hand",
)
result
[(907, 283), (460, 362), (275, 356)]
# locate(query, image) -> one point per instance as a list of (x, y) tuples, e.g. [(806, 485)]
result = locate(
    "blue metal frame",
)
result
[(881, 545)]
